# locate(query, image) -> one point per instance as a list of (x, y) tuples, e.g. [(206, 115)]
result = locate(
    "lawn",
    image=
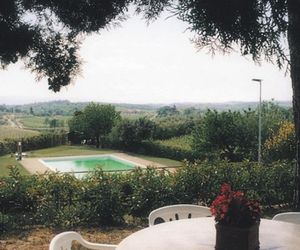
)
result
[(69, 151), (6, 161)]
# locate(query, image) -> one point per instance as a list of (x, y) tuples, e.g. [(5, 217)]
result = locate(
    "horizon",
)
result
[(28, 102)]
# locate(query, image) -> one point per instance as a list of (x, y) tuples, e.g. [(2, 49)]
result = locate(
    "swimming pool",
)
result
[(84, 164)]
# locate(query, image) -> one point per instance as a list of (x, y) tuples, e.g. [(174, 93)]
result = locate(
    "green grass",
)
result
[(33, 122), (15, 133), (69, 151), (8, 161)]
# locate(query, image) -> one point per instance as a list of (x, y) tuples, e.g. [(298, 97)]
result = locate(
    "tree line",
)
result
[(215, 135)]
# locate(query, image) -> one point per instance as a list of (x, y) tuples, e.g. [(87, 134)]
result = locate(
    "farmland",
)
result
[(15, 133)]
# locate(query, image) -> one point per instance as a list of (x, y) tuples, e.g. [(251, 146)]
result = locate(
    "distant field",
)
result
[(33, 122), (15, 133), (38, 122)]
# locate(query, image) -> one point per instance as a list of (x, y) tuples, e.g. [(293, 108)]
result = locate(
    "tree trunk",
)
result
[(97, 141), (294, 47)]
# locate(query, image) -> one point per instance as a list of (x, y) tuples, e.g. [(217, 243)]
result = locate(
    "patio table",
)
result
[(200, 234)]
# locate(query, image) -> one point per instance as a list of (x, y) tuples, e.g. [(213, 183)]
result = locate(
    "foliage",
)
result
[(231, 208), (222, 25), (191, 111), (145, 190), (45, 47), (182, 142), (174, 126), (282, 145), (95, 121), (167, 111), (105, 198), (157, 148), (130, 133), (44, 140), (231, 135)]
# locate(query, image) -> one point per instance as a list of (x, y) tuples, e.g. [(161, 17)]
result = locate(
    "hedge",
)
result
[(105, 198), (46, 140), (156, 148)]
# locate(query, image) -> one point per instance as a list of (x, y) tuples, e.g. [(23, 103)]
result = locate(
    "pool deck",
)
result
[(34, 166)]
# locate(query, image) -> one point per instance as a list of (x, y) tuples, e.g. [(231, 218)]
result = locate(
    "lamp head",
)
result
[(256, 80)]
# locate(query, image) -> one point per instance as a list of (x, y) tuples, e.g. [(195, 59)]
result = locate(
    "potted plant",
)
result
[(237, 220)]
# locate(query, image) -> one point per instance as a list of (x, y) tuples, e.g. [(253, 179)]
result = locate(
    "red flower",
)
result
[(232, 208), (226, 188)]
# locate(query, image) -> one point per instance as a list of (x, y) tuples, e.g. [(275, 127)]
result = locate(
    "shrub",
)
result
[(157, 148), (32, 143), (271, 184), (169, 127), (129, 134), (105, 199), (101, 200), (147, 190), (282, 145)]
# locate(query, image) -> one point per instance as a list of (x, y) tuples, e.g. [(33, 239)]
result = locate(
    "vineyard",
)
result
[(15, 133)]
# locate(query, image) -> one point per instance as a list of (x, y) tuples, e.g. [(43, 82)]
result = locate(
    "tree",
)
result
[(281, 145), (31, 111), (53, 123), (228, 135), (95, 121), (167, 111), (131, 133), (233, 135), (258, 27)]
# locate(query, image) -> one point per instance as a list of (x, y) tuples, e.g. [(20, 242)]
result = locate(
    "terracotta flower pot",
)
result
[(235, 238)]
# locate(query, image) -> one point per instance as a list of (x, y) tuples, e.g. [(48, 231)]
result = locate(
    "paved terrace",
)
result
[(34, 166)]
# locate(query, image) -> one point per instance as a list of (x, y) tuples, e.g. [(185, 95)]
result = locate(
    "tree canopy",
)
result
[(95, 121), (46, 34)]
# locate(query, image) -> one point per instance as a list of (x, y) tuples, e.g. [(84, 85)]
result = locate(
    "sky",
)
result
[(156, 63)]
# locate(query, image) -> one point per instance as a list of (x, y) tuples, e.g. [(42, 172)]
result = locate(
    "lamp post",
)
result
[(259, 120)]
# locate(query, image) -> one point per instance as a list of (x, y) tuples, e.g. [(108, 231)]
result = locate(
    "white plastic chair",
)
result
[(177, 212), (292, 217), (63, 241)]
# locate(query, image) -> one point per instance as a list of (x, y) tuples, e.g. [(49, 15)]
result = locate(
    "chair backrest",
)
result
[(63, 241), (177, 212), (292, 217)]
